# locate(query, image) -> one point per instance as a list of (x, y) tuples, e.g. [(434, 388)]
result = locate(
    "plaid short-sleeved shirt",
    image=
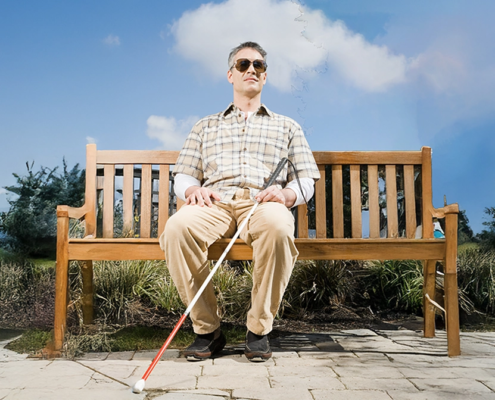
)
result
[(225, 152)]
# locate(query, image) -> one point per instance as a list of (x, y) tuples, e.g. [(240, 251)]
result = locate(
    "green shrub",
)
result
[(318, 284), (394, 285)]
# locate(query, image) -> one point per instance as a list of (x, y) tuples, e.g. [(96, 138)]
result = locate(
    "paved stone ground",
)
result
[(352, 364)]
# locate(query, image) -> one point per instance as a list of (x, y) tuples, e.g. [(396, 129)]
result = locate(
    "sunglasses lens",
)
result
[(259, 66), (243, 64)]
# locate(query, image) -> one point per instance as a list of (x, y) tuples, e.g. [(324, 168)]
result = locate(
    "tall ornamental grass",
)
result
[(476, 277)]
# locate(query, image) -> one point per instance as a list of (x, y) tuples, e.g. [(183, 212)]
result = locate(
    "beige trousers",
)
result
[(270, 233)]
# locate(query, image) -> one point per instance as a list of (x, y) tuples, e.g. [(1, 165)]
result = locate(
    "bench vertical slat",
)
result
[(410, 201), (163, 197), (180, 203), (374, 206), (90, 192), (127, 197), (320, 205), (337, 202), (108, 200), (146, 189), (302, 221), (427, 195), (356, 219), (392, 212)]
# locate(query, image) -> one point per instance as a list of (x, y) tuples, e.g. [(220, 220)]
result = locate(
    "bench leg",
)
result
[(429, 272), (87, 292), (61, 279), (450, 285)]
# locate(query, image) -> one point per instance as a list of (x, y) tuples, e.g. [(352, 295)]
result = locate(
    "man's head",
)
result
[(247, 69)]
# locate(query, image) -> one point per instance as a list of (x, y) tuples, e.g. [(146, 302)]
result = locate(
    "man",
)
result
[(220, 171)]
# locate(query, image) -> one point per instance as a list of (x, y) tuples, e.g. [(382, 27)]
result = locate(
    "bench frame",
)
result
[(427, 249)]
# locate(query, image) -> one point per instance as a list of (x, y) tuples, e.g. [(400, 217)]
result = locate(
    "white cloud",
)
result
[(112, 40), (90, 140), (170, 132), (297, 39)]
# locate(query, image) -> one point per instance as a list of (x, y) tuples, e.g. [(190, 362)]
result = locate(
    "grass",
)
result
[(31, 342), (111, 339)]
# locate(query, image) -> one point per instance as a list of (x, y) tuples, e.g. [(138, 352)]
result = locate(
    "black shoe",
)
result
[(206, 346), (257, 347)]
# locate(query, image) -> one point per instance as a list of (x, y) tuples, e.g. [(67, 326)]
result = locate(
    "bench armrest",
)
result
[(72, 212), (443, 211)]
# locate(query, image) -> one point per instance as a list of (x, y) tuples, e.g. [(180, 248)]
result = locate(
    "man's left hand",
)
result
[(287, 197)]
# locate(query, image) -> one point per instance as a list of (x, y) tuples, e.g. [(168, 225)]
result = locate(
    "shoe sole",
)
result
[(254, 356)]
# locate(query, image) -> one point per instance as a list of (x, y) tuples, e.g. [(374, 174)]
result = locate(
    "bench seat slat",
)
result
[(321, 249)]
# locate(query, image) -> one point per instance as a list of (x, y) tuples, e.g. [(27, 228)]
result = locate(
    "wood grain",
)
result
[(337, 202), (356, 219)]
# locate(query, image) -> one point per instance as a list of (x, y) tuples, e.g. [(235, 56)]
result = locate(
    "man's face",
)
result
[(249, 82)]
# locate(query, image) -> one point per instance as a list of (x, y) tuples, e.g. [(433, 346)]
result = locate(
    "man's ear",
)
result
[(229, 76), (264, 78)]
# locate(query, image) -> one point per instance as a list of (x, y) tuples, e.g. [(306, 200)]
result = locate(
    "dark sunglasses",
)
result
[(243, 64)]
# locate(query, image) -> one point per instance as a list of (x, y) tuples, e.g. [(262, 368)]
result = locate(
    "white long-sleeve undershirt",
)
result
[(184, 182)]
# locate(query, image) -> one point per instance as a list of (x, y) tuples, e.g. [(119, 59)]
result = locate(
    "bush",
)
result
[(26, 294), (31, 222), (394, 285), (319, 284)]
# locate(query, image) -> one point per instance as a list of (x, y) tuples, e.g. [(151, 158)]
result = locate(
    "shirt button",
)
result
[(244, 130), (244, 162), (245, 149)]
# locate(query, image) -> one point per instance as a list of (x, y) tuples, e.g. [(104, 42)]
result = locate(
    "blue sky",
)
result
[(357, 75)]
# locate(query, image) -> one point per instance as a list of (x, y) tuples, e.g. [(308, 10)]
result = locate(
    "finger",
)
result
[(206, 198), (216, 196), (200, 200)]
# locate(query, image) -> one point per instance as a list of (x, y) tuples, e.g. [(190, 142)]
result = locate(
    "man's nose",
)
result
[(252, 70)]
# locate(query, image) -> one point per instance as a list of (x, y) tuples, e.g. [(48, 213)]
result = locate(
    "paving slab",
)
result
[(349, 395), (359, 383), (458, 385), (272, 394), (306, 382)]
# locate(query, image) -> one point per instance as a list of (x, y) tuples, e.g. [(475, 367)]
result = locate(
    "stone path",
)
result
[(348, 364)]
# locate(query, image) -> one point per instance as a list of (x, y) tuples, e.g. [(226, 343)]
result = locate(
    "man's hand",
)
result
[(287, 197), (200, 196)]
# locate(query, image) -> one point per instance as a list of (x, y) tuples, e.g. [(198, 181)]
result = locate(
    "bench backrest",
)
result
[(131, 193)]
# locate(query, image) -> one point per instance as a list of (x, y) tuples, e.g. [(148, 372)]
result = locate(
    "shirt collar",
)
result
[(262, 110)]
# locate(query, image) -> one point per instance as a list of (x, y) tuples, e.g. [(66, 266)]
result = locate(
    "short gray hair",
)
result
[(250, 45)]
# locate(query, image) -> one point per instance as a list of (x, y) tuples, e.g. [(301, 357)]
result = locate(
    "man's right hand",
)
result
[(200, 196)]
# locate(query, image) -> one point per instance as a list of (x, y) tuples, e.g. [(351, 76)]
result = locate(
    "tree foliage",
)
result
[(31, 222), (487, 236)]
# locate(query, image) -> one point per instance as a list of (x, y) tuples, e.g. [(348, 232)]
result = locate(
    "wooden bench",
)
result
[(392, 189)]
